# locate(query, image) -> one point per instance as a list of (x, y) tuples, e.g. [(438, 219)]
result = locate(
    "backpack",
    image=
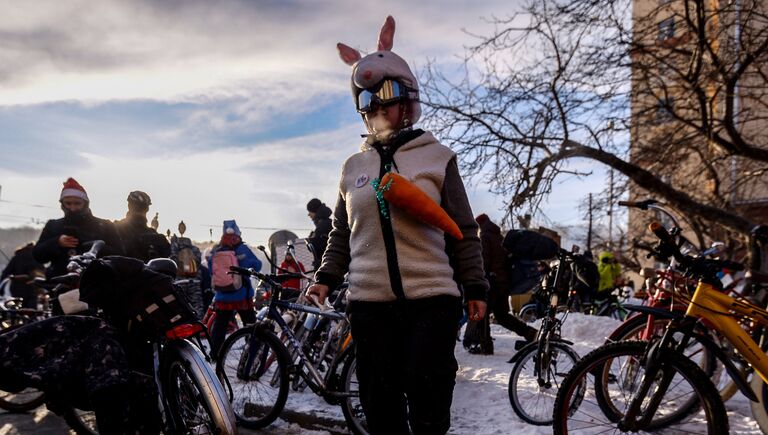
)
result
[(187, 262), (130, 292), (530, 245), (224, 281)]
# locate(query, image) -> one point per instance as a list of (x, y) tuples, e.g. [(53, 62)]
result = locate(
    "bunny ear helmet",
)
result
[(370, 70), (387, 34), (348, 54)]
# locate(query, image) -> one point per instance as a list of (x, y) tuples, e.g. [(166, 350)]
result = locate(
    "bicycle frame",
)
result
[(274, 315), (711, 305)]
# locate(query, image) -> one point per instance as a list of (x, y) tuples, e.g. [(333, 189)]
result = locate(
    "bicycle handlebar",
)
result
[(701, 265), (273, 280), (642, 205), (650, 204), (661, 233), (97, 246), (305, 274)]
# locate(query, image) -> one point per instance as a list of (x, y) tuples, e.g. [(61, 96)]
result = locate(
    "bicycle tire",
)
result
[(22, 401), (188, 377), (595, 363), (760, 408), (523, 362), (528, 313), (81, 422), (630, 328), (271, 364), (350, 406)]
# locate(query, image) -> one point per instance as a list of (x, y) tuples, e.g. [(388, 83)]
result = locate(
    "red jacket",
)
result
[(292, 266)]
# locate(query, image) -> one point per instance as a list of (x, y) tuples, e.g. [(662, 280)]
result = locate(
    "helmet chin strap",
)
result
[(403, 124)]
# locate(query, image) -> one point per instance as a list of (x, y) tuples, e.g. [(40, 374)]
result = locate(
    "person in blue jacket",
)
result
[(226, 300)]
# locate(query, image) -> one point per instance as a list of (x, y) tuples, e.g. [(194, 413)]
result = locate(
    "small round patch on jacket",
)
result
[(362, 180)]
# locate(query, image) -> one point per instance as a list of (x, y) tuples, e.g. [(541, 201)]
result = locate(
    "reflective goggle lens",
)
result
[(388, 91)]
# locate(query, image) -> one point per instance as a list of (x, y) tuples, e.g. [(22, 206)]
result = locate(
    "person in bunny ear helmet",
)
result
[(406, 277)]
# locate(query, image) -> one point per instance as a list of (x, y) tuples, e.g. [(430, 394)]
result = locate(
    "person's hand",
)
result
[(318, 290), (68, 241), (476, 309)]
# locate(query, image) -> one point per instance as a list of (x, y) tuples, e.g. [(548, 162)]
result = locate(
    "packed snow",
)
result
[(481, 403)]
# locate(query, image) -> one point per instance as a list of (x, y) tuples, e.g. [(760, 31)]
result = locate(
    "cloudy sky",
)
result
[(226, 109)]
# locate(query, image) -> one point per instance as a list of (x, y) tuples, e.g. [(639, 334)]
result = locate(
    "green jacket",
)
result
[(609, 271)]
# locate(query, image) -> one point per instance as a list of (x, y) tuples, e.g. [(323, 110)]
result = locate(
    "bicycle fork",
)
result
[(249, 358), (653, 365)]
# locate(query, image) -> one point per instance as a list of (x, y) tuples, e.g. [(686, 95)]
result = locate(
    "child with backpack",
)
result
[(233, 292)]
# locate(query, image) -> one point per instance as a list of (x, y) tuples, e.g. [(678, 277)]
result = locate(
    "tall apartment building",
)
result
[(682, 104)]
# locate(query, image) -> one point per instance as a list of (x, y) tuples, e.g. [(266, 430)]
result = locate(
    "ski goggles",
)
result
[(386, 92)]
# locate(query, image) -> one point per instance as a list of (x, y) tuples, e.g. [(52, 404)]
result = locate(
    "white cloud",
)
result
[(184, 50)]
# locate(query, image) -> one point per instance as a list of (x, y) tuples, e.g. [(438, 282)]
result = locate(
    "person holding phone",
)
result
[(62, 238)]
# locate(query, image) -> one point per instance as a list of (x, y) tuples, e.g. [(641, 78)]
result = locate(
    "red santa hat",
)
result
[(73, 189)]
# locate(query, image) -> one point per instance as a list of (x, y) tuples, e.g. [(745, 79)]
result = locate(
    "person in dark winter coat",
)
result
[(62, 238), (139, 240), (227, 301), (321, 217), (494, 263), (23, 269), (588, 277), (406, 276)]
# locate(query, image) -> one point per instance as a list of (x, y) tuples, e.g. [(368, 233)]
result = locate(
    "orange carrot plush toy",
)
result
[(406, 196)]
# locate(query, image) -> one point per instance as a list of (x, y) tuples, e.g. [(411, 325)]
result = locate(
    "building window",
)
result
[(664, 109), (667, 29)]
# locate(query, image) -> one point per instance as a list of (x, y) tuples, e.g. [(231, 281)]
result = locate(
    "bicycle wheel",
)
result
[(197, 402), (621, 369), (760, 408), (532, 398), (528, 313), (634, 327), (350, 406), (255, 364), (22, 401)]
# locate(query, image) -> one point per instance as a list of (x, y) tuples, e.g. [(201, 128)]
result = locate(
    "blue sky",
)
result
[(231, 109)]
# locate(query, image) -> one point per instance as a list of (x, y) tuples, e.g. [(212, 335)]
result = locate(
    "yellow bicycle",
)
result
[(639, 387)]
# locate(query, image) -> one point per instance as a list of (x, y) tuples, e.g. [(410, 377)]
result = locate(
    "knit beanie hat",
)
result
[(230, 227), (481, 219), (314, 205), (73, 189)]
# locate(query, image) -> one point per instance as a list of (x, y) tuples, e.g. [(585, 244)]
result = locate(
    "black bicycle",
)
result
[(541, 366), (258, 366)]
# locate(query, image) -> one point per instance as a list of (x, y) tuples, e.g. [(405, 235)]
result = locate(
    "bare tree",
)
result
[(684, 81)]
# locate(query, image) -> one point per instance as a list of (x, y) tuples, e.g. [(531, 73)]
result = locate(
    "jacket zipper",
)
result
[(396, 281)]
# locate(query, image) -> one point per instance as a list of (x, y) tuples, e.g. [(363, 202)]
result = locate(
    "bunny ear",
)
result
[(348, 54), (387, 34)]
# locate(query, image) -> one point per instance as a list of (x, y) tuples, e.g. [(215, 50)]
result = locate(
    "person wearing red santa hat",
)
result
[(62, 238)]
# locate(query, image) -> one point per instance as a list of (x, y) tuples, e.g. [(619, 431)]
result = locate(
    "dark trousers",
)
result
[(499, 305), (221, 323), (406, 368)]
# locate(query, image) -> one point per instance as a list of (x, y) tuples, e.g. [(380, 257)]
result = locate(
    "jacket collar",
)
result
[(404, 141)]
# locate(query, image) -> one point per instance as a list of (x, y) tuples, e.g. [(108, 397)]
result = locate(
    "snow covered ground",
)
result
[(481, 404)]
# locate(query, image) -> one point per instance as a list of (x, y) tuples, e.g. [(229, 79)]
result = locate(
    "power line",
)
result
[(260, 228), (28, 205)]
